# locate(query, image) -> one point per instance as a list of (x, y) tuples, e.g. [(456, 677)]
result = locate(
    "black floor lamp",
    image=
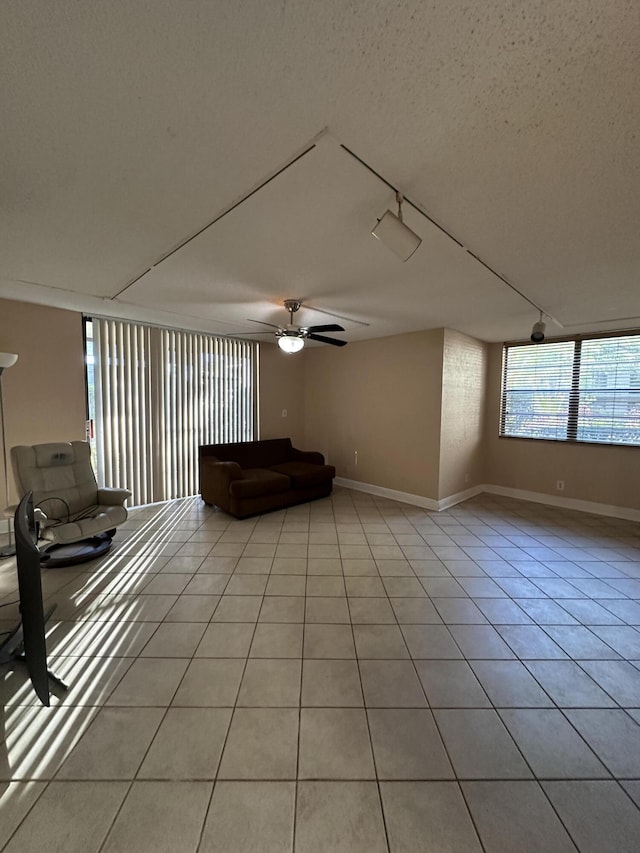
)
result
[(7, 359)]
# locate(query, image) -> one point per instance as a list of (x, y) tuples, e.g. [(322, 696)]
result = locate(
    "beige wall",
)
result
[(44, 396), (382, 398), (281, 387), (591, 472), (464, 380)]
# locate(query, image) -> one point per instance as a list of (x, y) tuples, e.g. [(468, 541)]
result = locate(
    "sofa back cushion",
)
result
[(251, 454)]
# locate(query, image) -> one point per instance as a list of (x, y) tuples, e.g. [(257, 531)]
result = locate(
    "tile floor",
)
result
[(350, 675)]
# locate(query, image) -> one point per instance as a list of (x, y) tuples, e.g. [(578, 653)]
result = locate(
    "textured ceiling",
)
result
[(127, 128)]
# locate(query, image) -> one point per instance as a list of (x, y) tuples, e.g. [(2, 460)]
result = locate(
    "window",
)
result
[(159, 393), (579, 390)]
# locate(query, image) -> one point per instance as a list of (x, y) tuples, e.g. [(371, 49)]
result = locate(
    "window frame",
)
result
[(574, 391)]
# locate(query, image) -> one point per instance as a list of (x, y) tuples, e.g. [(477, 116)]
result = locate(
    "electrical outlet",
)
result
[(355, 457), (284, 413), (560, 485)]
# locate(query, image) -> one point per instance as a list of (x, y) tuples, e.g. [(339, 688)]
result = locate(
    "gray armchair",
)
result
[(70, 506)]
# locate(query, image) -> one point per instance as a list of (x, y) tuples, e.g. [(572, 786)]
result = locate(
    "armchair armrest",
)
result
[(108, 496), (310, 456)]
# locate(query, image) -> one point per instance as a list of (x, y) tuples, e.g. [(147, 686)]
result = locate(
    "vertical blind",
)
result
[(159, 394), (587, 389)]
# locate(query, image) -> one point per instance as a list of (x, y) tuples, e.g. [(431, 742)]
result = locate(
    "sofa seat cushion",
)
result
[(303, 474), (257, 482)]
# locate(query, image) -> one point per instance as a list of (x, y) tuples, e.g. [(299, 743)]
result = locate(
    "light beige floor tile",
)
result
[(530, 642), (90, 680), (380, 642), (479, 745), (416, 611), (430, 641), (262, 744), (360, 568), (167, 584), (451, 684), (458, 611), (327, 610), (238, 608), (620, 679), (200, 733), (334, 744), (481, 642), (599, 815), (207, 584), (364, 587), (210, 683), (325, 585), (396, 568), (515, 815), (427, 816), (371, 611), (193, 608), (149, 681), (568, 685), (273, 640), (75, 816), (250, 816), (551, 746), (218, 565), (286, 585), (508, 684), (324, 566), (270, 683), (246, 585), (114, 744), (328, 641), (613, 736), (174, 639), (16, 798), (226, 640), (108, 639), (343, 817), (406, 744), (391, 684), (331, 683), (282, 608), (183, 564), (404, 587), (289, 566), (160, 817)]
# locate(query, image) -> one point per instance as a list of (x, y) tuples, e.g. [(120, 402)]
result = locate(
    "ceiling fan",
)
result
[(291, 338)]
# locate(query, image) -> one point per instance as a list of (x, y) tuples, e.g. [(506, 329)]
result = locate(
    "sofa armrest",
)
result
[(312, 457), (108, 496), (215, 479)]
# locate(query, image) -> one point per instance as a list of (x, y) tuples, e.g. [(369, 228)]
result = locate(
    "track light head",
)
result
[(395, 235), (538, 330)]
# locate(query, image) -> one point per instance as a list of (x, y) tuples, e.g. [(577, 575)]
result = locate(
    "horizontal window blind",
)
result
[(159, 394), (537, 390), (610, 391), (586, 389)]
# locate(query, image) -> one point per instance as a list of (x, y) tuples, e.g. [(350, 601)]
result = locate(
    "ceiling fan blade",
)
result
[(273, 326), (330, 327), (324, 340)]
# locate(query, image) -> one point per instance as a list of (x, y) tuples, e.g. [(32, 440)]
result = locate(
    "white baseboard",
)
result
[(566, 503), (392, 494), (520, 494)]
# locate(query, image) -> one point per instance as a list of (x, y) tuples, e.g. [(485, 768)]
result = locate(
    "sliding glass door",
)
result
[(155, 394)]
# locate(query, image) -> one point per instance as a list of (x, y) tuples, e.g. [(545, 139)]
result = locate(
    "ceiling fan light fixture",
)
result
[(395, 235), (290, 343)]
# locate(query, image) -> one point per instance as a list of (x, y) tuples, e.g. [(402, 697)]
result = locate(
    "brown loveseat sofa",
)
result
[(249, 477)]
